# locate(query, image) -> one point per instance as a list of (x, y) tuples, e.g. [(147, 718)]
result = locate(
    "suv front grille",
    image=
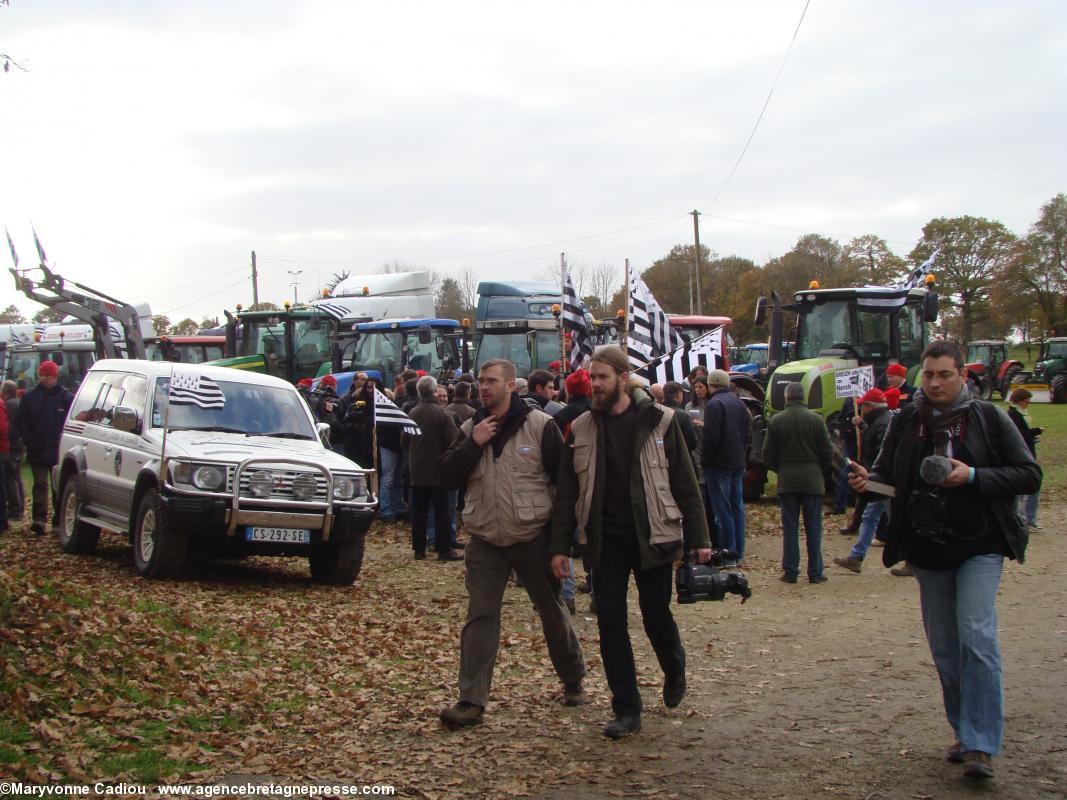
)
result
[(283, 485)]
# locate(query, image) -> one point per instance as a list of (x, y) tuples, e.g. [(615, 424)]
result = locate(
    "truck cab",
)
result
[(436, 346), (515, 321)]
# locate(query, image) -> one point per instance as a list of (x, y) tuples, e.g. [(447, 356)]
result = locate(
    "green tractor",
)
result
[(1051, 368), (839, 330)]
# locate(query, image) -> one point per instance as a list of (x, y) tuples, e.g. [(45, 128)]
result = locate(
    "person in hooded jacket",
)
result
[(41, 416)]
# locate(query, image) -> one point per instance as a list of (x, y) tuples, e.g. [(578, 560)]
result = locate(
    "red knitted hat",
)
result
[(873, 396), (897, 369), (328, 380), (578, 384), (892, 398), (48, 369)]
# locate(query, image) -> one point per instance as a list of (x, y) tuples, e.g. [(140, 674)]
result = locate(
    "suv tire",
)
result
[(158, 548), (75, 536), (337, 562)]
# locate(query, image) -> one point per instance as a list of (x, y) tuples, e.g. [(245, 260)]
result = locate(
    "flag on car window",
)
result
[(190, 389), (387, 413)]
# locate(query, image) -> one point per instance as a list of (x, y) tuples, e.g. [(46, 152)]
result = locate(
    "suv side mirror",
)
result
[(124, 418), (323, 430)]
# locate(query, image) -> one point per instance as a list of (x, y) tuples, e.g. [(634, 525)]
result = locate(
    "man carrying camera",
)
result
[(957, 465), (628, 488)]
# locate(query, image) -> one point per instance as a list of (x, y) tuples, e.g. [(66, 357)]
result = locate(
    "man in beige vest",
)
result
[(628, 493), (507, 456)]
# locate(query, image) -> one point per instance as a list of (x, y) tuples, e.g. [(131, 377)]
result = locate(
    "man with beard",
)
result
[(628, 488), (507, 456), (957, 465)]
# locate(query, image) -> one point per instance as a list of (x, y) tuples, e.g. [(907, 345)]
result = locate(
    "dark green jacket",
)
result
[(798, 448), (684, 489)]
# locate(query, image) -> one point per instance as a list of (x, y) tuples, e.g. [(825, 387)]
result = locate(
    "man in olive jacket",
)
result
[(628, 493), (798, 448)]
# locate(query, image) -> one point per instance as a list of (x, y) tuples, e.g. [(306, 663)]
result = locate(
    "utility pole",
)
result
[(293, 274), (696, 235), (255, 282)]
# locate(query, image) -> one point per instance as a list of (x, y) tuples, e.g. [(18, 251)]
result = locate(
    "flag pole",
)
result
[(166, 421), (626, 313), (374, 441), (564, 357)]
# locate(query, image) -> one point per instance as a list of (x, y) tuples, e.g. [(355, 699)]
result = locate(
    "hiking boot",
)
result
[(977, 765), (673, 691), (450, 555), (876, 542), (903, 572), (818, 579), (954, 754), (622, 725), (852, 564), (785, 577), (420, 555), (569, 603), (574, 695), (462, 715)]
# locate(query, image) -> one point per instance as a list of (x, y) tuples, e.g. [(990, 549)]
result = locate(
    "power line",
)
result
[(206, 297), (762, 110)]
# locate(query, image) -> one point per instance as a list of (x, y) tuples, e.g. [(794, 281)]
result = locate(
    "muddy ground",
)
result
[(247, 671)]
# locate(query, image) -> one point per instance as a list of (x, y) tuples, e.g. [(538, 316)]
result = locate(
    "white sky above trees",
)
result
[(155, 144)]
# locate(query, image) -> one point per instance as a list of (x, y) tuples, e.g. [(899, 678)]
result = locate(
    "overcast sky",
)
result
[(155, 144)]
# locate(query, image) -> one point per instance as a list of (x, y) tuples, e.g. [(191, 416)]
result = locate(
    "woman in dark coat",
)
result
[(1018, 405)]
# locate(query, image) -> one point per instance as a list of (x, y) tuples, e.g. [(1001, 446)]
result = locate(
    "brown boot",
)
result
[(852, 564)]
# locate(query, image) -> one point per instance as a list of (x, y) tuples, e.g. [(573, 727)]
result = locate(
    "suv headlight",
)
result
[(209, 478), (345, 487)]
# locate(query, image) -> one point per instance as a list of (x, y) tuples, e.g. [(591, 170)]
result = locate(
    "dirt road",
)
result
[(247, 671)]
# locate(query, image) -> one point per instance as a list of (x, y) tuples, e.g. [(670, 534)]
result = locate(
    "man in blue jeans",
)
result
[(957, 464), (727, 432), (798, 448), (872, 422)]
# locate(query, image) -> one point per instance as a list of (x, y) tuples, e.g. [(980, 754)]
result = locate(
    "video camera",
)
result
[(708, 581)]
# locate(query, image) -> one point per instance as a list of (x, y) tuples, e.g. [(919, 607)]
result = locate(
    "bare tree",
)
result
[(9, 62), (468, 287), (604, 281)]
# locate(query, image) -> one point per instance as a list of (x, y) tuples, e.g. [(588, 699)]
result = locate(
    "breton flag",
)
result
[(335, 310), (704, 350), (40, 250), (190, 389), (386, 412), (575, 324), (11, 245), (650, 334), (920, 272)]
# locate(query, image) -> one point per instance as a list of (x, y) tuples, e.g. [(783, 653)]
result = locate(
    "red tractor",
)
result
[(989, 368)]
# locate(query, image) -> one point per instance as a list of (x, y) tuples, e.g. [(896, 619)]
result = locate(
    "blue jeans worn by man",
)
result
[(960, 617), (724, 486), (792, 504), (391, 492), (872, 515)]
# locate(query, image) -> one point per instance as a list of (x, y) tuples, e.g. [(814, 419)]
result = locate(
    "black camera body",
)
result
[(928, 513), (697, 582)]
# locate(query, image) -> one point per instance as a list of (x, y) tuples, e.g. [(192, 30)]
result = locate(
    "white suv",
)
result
[(226, 462)]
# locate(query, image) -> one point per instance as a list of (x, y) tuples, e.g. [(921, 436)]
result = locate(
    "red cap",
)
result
[(421, 373), (892, 398), (328, 380), (873, 396), (578, 384), (897, 369), (554, 365), (305, 382), (48, 369)]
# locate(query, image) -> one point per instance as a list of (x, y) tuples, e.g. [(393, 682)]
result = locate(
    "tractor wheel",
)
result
[(1058, 389), (1009, 378)]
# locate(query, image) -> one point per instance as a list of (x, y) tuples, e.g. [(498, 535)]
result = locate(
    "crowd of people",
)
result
[(631, 479)]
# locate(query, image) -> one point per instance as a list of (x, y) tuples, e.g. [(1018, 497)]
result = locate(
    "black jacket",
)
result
[(42, 413), (1029, 434), (685, 422), (1004, 469), (575, 407), (874, 428), (727, 431)]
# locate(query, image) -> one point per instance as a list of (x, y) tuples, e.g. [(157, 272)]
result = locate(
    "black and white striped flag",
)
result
[(575, 324), (386, 412), (920, 272), (650, 334), (335, 310), (37, 242), (11, 245), (705, 350), (190, 389)]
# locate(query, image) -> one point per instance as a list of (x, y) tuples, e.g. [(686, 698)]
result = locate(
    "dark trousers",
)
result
[(41, 476), (421, 498), (619, 556), (16, 495), (488, 567)]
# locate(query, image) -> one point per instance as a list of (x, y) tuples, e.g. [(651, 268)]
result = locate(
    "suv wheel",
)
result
[(75, 536), (338, 561), (158, 548)]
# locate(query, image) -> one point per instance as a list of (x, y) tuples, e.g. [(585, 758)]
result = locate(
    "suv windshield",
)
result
[(248, 408)]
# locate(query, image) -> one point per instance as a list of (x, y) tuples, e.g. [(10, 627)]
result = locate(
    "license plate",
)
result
[(281, 535)]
